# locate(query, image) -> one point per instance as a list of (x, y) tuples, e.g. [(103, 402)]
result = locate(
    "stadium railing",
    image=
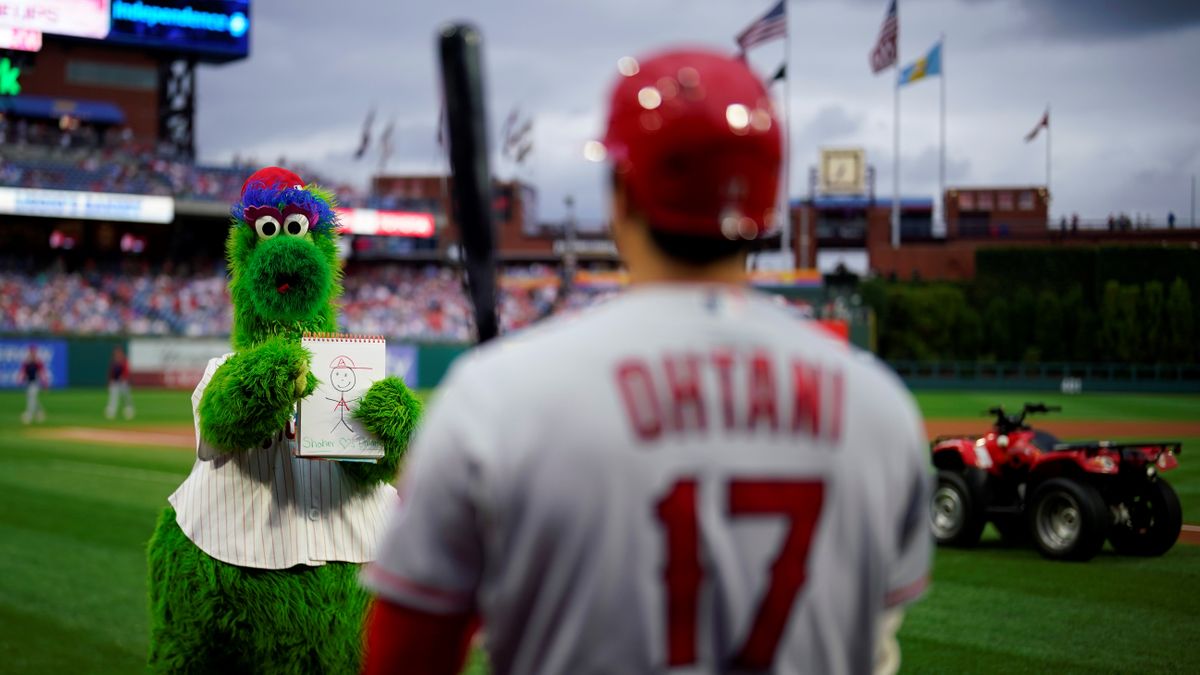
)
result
[(1066, 377)]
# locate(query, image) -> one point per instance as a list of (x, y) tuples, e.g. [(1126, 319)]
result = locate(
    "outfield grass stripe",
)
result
[(36, 644), (98, 520), (117, 472)]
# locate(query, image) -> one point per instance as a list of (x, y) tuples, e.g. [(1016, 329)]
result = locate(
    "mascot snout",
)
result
[(292, 278)]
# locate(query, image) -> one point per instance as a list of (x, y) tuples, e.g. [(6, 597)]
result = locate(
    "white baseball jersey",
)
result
[(685, 479), (263, 507)]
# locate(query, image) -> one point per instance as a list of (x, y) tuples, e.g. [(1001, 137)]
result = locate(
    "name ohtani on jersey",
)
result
[(674, 394)]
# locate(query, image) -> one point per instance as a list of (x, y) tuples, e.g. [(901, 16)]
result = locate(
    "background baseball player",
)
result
[(119, 393), (34, 377), (685, 478)]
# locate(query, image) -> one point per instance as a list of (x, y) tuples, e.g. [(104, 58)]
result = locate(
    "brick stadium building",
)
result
[(976, 217)]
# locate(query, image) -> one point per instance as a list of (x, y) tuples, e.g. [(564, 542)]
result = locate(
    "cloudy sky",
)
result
[(1121, 78)]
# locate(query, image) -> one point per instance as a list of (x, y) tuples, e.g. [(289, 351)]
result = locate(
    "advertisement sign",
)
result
[(87, 205), (13, 352), (215, 28), (402, 363), (20, 39), (172, 362), (76, 18), (386, 223)]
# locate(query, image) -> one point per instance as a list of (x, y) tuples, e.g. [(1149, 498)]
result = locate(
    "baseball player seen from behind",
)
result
[(685, 479)]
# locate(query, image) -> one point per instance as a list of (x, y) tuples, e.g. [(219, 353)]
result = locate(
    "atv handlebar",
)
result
[(1006, 423)]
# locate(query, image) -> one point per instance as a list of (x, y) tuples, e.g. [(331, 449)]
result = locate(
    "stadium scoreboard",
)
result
[(206, 30)]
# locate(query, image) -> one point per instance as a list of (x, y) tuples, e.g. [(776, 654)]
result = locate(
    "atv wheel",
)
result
[(1068, 520), (956, 513), (1155, 519)]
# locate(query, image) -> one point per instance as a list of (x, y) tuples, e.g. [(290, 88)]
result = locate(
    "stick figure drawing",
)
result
[(343, 380)]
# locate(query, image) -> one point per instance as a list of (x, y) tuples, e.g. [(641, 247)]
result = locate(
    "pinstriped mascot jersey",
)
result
[(691, 479), (268, 509)]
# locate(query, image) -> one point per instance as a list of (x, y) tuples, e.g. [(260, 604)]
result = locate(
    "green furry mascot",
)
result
[(253, 567)]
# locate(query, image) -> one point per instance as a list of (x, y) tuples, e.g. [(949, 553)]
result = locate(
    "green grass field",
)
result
[(75, 517)]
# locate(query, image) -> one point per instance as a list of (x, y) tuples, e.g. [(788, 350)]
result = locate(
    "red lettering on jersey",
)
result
[(762, 393), (806, 398), (835, 418), (723, 360), (641, 401), (683, 380)]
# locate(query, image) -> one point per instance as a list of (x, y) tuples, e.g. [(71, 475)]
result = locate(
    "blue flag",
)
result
[(926, 66)]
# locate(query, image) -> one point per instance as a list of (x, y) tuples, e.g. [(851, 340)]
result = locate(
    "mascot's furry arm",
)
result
[(250, 396), (390, 411)]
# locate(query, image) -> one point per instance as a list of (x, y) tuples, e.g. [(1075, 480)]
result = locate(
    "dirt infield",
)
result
[(173, 436), (1190, 535), (1078, 429)]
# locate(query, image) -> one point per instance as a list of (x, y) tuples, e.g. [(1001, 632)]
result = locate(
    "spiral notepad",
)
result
[(345, 366)]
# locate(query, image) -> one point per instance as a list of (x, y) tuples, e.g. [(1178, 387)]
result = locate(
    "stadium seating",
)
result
[(135, 171), (399, 302)]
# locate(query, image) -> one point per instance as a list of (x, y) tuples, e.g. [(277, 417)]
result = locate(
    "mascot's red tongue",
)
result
[(283, 288)]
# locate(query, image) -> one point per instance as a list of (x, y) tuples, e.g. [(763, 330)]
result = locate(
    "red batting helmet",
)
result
[(694, 136)]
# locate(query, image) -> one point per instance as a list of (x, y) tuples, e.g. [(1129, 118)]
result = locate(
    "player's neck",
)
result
[(659, 270)]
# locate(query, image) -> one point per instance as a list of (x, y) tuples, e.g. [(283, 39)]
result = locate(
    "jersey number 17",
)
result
[(797, 501)]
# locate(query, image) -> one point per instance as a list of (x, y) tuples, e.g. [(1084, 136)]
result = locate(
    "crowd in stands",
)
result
[(426, 303), (33, 158), (399, 302)]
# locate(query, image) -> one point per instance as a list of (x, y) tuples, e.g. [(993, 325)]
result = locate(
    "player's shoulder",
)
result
[(875, 385), (878, 389), (552, 339)]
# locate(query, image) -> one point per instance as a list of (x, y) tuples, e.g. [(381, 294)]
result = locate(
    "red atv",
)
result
[(1066, 497)]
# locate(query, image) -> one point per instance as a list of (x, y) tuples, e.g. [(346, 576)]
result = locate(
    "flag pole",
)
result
[(896, 158), (785, 243), (896, 139), (1049, 195), (942, 154)]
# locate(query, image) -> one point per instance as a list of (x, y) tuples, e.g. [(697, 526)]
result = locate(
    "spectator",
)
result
[(1171, 220)]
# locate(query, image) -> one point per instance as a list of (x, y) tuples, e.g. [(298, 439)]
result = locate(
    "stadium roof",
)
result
[(862, 202)]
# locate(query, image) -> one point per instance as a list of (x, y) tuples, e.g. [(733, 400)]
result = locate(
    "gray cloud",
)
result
[(1082, 19), (1120, 82), (831, 123)]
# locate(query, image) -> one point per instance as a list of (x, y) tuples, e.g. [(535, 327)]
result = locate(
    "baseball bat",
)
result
[(471, 190)]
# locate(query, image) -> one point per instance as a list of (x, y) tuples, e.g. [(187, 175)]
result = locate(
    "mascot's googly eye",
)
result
[(296, 224), (266, 226)]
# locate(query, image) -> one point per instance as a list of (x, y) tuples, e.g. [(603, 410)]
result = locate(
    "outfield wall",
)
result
[(179, 363), (1062, 377)]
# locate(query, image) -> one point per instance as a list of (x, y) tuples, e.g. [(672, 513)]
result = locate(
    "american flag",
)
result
[(884, 52), (772, 25)]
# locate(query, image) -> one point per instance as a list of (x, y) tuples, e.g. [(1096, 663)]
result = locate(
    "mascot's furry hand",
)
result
[(390, 411), (251, 395)]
